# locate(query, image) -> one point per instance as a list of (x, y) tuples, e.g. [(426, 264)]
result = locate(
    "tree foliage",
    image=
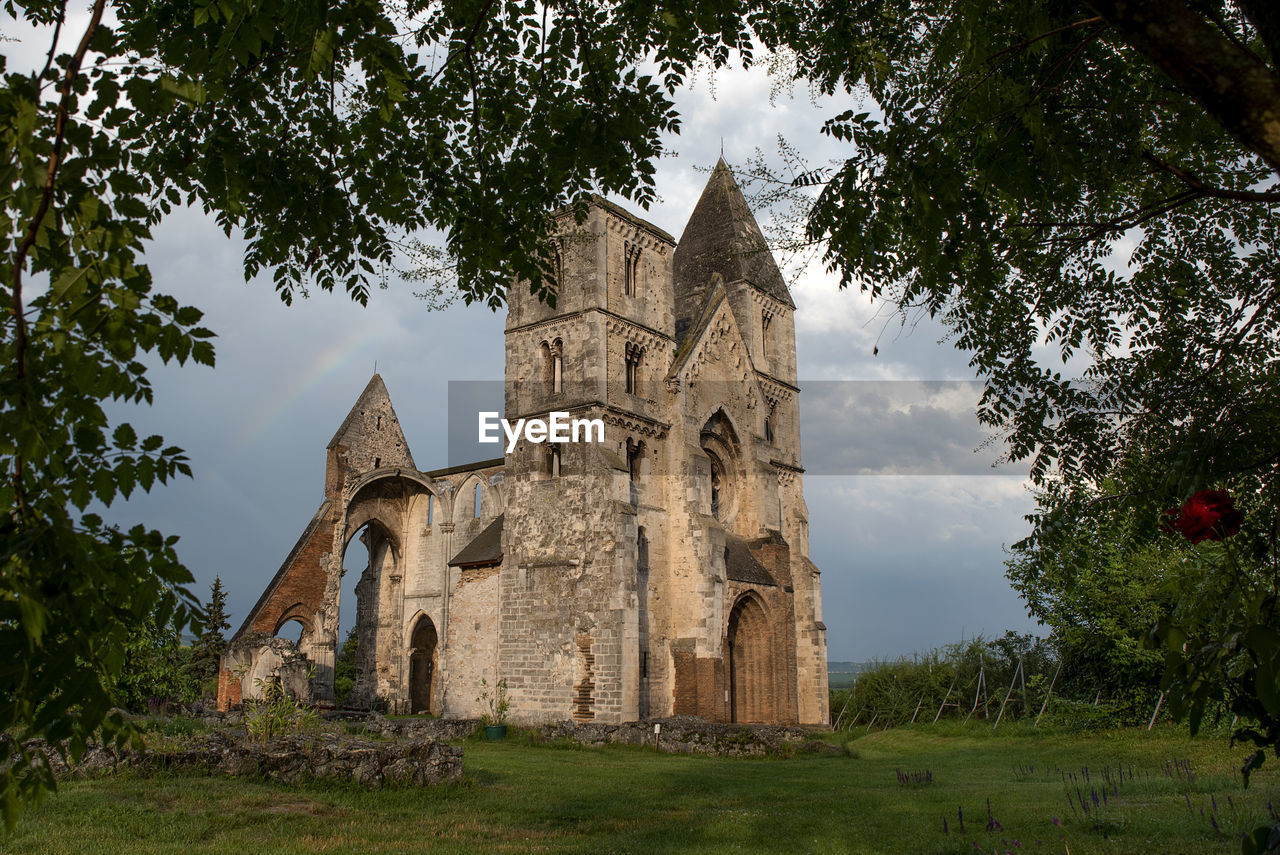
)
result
[(1098, 574), (961, 681), (1008, 148), (344, 667), (1085, 193), (326, 134), (156, 670), (206, 652), (1095, 232), (1221, 644)]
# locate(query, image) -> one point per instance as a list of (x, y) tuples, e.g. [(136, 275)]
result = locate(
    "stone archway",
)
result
[(752, 674), (372, 598), (422, 665)]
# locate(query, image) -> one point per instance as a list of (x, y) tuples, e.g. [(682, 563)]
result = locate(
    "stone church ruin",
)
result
[(664, 571)]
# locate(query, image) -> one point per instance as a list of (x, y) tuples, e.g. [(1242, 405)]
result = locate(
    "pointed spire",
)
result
[(371, 432), (722, 236)]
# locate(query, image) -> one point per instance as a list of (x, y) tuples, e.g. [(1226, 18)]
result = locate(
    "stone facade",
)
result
[(664, 571)]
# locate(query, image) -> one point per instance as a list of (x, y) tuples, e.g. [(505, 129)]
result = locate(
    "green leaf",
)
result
[(189, 90), (1255, 842), (321, 58), (124, 436)]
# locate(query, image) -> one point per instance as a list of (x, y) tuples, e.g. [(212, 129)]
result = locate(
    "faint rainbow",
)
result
[(322, 369)]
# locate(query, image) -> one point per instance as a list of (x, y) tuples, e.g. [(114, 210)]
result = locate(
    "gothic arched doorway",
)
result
[(422, 665), (751, 673)]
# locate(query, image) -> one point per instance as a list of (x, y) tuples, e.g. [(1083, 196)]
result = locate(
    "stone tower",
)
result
[(571, 632)]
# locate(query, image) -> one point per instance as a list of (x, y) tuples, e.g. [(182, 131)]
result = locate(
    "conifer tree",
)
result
[(208, 648)]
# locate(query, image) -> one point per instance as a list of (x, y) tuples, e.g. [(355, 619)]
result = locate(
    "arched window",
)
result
[(632, 354), (431, 508), (642, 602), (720, 444), (766, 321), (291, 630), (717, 486), (552, 365), (553, 462), (478, 500), (631, 270), (557, 366)]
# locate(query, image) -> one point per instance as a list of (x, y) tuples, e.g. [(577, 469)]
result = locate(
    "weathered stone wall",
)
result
[(562, 598), (254, 659), (693, 735), (811, 631), (370, 437), (472, 648)]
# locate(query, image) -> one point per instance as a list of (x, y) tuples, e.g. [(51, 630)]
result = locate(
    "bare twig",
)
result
[(53, 46), (467, 43)]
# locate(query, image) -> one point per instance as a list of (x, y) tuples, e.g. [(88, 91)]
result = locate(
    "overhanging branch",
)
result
[(1232, 84)]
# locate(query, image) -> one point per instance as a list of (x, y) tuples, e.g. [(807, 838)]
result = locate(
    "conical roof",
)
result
[(722, 236), (372, 430)]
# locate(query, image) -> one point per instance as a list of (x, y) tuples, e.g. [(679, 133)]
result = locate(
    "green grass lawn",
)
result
[(520, 797)]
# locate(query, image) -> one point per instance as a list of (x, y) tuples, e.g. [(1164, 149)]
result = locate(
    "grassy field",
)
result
[(520, 797)]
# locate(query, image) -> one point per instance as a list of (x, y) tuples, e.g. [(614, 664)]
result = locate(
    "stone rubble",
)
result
[(287, 759)]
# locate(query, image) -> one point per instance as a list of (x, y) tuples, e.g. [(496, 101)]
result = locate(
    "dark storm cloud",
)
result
[(910, 563), (907, 563), (895, 427)]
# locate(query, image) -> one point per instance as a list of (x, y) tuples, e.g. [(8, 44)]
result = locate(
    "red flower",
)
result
[(1208, 515)]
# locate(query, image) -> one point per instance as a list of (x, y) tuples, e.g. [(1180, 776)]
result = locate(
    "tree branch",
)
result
[(1264, 15), (1117, 225), (53, 47), (1203, 189), (33, 230), (1086, 22), (1233, 85), (468, 43)]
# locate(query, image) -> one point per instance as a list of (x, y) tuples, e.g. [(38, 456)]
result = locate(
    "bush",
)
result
[(275, 713), (944, 683)]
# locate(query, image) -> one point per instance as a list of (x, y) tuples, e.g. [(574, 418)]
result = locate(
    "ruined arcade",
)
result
[(664, 571)]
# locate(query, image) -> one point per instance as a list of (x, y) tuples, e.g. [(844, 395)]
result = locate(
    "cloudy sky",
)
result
[(907, 523)]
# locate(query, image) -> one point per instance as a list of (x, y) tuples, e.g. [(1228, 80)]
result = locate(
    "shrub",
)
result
[(276, 713)]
